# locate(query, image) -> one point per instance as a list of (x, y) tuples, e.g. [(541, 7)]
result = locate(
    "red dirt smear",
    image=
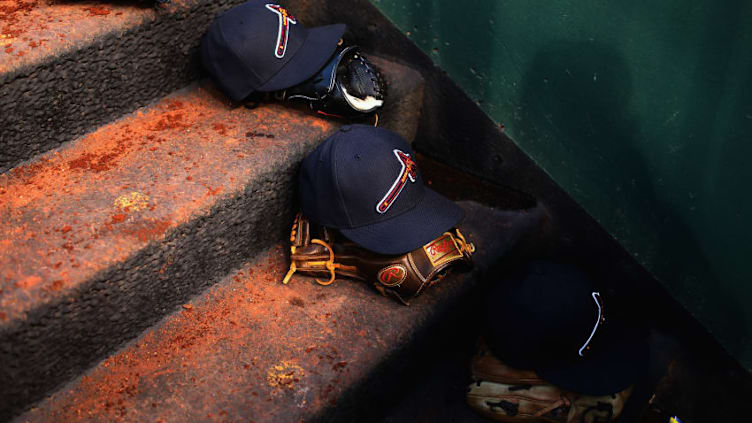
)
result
[(212, 191), (102, 161), (10, 13), (149, 230), (29, 171), (118, 218), (174, 104), (98, 11), (56, 285), (221, 129), (8, 8), (170, 121)]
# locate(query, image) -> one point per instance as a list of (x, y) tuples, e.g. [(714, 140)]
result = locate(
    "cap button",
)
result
[(345, 128)]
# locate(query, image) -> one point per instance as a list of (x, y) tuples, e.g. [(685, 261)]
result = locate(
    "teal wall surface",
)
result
[(640, 110)]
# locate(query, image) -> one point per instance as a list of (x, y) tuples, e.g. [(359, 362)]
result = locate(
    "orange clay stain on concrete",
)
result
[(98, 200), (267, 345), (31, 30)]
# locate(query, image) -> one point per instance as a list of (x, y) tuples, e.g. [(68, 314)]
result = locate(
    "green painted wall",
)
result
[(641, 110)]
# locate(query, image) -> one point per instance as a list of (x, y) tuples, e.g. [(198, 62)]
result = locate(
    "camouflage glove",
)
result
[(502, 393)]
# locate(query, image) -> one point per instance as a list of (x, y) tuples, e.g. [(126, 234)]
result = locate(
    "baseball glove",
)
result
[(324, 252), (510, 395), (347, 86)]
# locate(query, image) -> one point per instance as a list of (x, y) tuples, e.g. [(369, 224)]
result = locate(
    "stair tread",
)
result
[(105, 235), (254, 349), (69, 67), (95, 202), (34, 30)]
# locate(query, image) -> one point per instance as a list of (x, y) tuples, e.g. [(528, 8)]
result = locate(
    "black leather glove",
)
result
[(347, 86)]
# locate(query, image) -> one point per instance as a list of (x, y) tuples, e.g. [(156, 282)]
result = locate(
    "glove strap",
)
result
[(329, 264), (462, 244), (293, 241), (301, 225)]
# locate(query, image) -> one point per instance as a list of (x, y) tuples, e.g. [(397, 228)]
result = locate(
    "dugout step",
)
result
[(253, 349), (67, 67), (111, 232)]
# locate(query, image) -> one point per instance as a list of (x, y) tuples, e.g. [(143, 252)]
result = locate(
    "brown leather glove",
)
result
[(324, 252), (505, 394)]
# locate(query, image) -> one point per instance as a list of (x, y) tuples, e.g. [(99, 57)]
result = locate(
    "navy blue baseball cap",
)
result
[(260, 46), (364, 181), (552, 318)]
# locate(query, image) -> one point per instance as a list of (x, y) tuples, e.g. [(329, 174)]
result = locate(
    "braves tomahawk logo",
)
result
[(409, 171), (285, 19), (601, 320)]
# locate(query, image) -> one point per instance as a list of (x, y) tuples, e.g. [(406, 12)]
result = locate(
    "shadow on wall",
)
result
[(470, 143), (719, 123), (575, 107)]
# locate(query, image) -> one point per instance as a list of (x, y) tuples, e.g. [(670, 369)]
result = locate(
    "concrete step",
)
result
[(67, 67), (253, 349), (103, 237)]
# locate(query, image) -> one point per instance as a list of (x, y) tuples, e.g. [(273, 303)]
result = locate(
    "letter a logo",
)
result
[(285, 19)]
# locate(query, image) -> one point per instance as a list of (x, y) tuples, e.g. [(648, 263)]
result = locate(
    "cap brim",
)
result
[(309, 59), (616, 365), (431, 217)]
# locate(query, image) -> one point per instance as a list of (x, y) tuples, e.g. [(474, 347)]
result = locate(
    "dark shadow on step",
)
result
[(455, 131)]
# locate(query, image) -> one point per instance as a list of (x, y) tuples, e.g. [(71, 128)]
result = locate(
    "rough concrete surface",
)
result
[(104, 236), (253, 349), (69, 66)]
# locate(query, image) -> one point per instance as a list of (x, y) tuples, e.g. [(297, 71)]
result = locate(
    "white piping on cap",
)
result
[(596, 296)]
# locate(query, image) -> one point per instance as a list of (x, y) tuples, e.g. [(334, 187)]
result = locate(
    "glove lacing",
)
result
[(462, 244), (330, 265)]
